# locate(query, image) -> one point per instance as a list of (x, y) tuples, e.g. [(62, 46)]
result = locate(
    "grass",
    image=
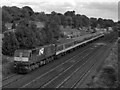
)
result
[(107, 77), (7, 66), (7, 69), (6, 59)]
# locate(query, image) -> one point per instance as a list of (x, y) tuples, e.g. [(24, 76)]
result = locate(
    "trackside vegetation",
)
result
[(108, 75), (25, 34)]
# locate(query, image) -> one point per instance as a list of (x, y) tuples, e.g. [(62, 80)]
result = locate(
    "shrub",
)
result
[(10, 44), (108, 75)]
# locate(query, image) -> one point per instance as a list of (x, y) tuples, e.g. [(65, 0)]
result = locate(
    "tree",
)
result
[(3, 27), (41, 17), (54, 17), (85, 21), (11, 14), (100, 22), (108, 23), (6, 17), (25, 34), (77, 21), (15, 12), (70, 13), (93, 22), (53, 13), (41, 36), (13, 25), (10, 44), (27, 12), (62, 19), (52, 31), (68, 20)]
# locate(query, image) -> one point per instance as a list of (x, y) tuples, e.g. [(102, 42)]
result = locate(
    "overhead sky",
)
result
[(92, 8)]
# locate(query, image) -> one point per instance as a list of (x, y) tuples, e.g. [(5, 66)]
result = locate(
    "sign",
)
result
[(41, 51)]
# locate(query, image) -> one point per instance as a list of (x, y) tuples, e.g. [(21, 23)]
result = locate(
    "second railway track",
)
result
[(55, 83), (41, 80)]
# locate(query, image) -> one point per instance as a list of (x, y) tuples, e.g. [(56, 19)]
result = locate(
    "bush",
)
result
[(10, 44), (108, 75), (7, 69), (109, 69), (26, 34)]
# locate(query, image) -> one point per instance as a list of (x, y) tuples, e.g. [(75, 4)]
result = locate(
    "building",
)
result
[(110, 29), (70, 33)]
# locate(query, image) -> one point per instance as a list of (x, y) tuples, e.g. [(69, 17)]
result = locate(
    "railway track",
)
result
[(92, 69), (52, 73), (67, 75), (42, 80), (80, 71), (73, 81), (11, 83), (8, 77), (83, 69), (8, 80), (46, 74), (86, 70)]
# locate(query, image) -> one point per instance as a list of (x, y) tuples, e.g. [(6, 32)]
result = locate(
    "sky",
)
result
[(107, 9)]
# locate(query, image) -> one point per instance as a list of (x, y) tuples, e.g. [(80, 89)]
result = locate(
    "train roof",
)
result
[(30, 50)]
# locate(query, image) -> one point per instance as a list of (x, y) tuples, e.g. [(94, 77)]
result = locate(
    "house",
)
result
[(110, 29), (70, 33), (38, 24)]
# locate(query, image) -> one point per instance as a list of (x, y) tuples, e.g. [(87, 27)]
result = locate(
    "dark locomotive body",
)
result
[(28, 60)]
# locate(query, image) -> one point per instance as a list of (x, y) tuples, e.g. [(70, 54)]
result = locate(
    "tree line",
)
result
[(26, 35)]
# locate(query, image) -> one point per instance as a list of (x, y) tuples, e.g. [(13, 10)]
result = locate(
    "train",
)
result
[(26, 61)]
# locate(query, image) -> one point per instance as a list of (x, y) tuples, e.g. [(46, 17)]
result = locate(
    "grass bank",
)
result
[(107, 77), (7, 66)]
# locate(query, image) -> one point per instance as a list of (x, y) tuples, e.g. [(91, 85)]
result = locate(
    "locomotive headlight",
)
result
[(16, 59)]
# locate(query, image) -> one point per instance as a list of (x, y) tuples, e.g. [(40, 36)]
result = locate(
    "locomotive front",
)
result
[(21, 60)]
